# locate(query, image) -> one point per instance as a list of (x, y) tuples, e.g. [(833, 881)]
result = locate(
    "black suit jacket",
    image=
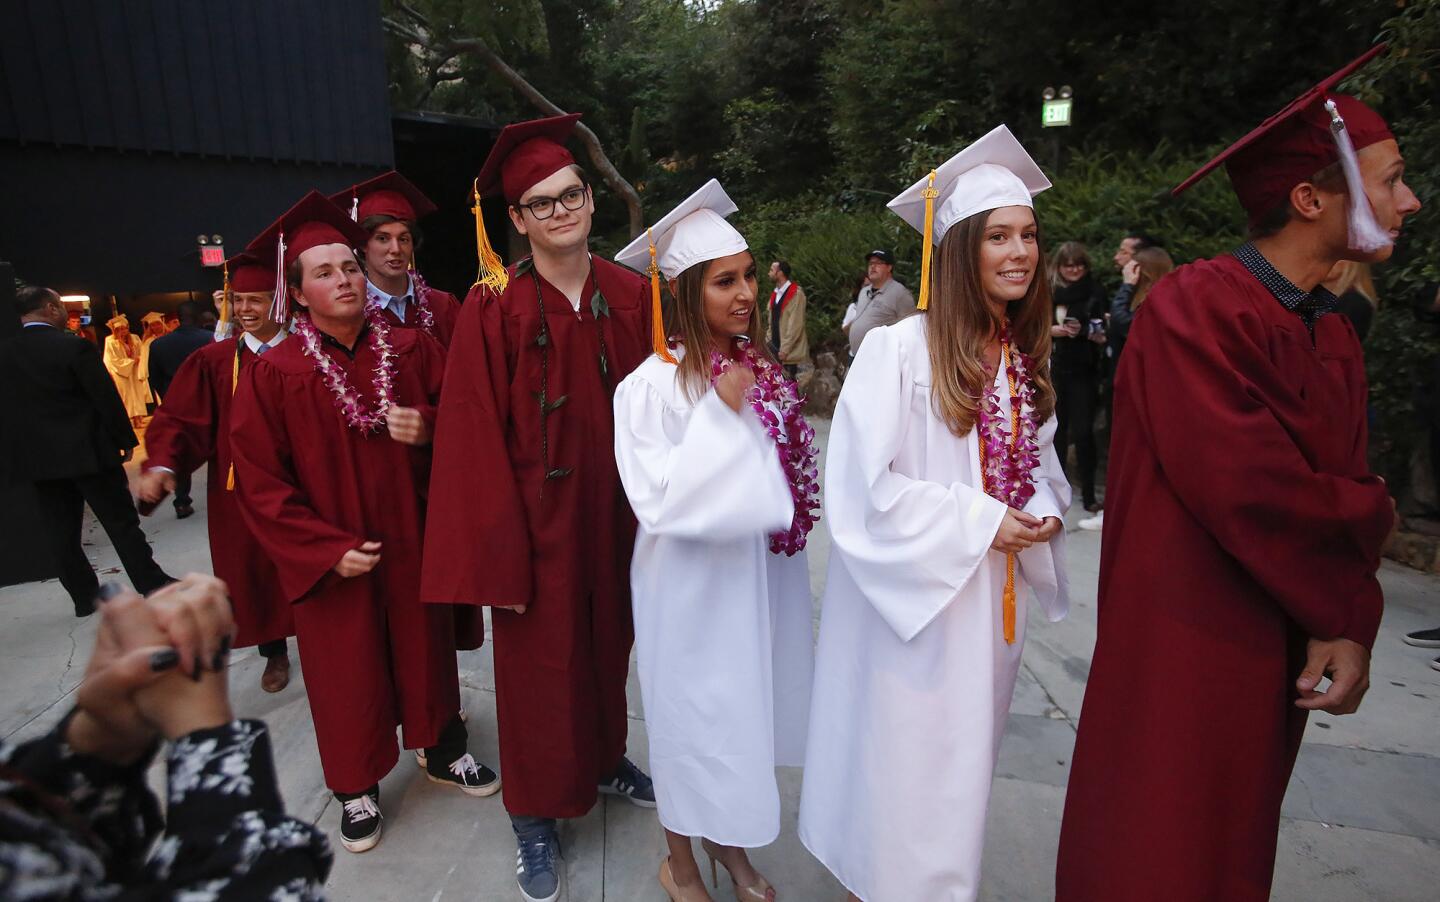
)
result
[(169, 351), (64, 416)]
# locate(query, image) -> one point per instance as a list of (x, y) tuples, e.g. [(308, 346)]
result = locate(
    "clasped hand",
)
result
[(1020, 530)]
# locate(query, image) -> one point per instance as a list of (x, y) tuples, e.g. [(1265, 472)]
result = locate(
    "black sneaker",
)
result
[(1424, 638), (536, 864), (472, 777), (360, 821), (632, 783), (1435, 664)]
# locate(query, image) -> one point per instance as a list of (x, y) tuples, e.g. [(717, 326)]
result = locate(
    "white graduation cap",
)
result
[(993, 172), (693, 232)]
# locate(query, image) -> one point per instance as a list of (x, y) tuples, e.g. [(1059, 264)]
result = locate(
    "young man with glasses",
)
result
[(527, 515)]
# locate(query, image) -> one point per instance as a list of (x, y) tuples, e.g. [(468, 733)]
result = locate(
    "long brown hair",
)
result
[(685, 316), (960, 323), (1155, 264)]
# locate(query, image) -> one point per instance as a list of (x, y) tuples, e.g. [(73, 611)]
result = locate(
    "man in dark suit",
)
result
[(166, 354), (72, 445)]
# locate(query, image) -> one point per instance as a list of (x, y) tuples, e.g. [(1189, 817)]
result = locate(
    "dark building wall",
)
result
[(101, 222), (129, 127), (295, 80)]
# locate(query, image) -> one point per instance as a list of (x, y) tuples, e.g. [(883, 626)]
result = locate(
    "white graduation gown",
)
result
[(125, 370), (913, 677), (722, 627)]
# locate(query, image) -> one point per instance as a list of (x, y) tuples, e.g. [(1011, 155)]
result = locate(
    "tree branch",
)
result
[(419, 31)]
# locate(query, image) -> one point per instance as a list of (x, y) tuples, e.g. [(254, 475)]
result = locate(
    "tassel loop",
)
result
[(658, 340), (491, 272), (930, 193)]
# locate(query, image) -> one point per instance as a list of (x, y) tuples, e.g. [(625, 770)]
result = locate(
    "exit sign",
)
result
[(1055, 112), (212, 255)]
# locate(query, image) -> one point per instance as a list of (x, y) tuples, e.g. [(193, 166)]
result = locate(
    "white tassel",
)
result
[(355, 208), (1366, 236), (279, 309)]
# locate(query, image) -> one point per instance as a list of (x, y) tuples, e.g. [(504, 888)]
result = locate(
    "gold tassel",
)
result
[(658, 338), (1008, 600), (234, 383), (492, 271), (929, 194), (224, 325)]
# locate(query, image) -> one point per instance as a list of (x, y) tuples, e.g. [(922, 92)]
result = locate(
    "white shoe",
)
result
[(1093, 524)]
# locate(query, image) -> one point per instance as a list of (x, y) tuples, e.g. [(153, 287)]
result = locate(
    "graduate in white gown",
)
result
[(122, 359), (920, 637), (719, 582)]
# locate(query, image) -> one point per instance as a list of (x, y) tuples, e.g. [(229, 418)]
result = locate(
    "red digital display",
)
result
[(212, 255)]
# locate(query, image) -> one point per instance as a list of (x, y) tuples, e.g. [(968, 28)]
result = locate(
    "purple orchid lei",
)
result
[(347, 400), (422, 301), (1008, 467), (778, 406)]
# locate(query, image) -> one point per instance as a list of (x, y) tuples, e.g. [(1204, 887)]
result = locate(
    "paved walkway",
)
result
[(1362, 815)]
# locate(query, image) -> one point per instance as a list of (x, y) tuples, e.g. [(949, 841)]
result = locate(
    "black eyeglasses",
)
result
[(543, 208)]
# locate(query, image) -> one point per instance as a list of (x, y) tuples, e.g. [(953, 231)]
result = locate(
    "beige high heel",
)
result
[(676, 894), (761, 891)]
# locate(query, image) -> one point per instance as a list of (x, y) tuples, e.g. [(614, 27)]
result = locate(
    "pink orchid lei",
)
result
[(793, 436), (347, 400), (1009, 466), (421, 301)]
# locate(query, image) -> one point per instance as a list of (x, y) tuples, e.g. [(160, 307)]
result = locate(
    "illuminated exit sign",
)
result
[(212, 255), (1055, 113)]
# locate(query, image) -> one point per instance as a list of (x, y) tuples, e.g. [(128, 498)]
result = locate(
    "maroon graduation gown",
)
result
[(445, 308), (501, 533), (312, 488), (190, 428), (1242, 519)]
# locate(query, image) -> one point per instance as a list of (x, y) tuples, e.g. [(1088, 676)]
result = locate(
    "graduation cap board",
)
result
[(391, 194), (1314, 131), (693, 232), (993, 172), (313, 222), (524, 154)]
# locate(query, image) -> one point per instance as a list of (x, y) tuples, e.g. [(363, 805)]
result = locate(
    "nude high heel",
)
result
[(760, 891), (676, 894)]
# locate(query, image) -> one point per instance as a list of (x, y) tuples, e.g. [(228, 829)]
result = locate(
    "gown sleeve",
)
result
[(181, 436), (303, 546), (688, 488), (1312, 540), (477, 540), (910, 545)]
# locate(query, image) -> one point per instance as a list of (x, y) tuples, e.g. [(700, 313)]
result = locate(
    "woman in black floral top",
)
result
[(76, 819)]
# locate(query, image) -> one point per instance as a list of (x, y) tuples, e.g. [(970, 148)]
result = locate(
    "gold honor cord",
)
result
[(1008, 599)]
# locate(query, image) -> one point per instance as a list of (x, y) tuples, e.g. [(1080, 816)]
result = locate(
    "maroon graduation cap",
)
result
[(1297, 142), (526, 153), (391, 194), (313, 222)]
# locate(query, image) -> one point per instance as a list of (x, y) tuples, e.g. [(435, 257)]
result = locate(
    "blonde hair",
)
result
[(1155, 263), (1354, 276), (960, 323), (685, 316)]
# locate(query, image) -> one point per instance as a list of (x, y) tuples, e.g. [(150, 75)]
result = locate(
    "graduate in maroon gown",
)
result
[(330, 433), (1243, 533), (388, 208), (192, 428), (527, 514)]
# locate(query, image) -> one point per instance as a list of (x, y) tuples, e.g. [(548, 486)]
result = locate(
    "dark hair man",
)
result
[(75, 438)]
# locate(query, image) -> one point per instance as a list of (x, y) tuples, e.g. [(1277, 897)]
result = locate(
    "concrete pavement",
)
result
[(1362, 814)]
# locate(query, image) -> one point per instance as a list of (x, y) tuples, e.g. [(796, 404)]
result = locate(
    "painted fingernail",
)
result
[(164, 660), (198, 667), (109, 591), (221, 656)]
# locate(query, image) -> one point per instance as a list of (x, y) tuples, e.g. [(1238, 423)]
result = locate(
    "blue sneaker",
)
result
[(535, 864), (632, 783)]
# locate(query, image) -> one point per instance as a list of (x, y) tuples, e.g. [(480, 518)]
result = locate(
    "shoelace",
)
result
[(534, 857), (465, 765), (361, 808), (630, 776)]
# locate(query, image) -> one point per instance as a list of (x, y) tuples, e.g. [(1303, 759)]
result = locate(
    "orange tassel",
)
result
[(234, 383), (658, 341), (491, 272)]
